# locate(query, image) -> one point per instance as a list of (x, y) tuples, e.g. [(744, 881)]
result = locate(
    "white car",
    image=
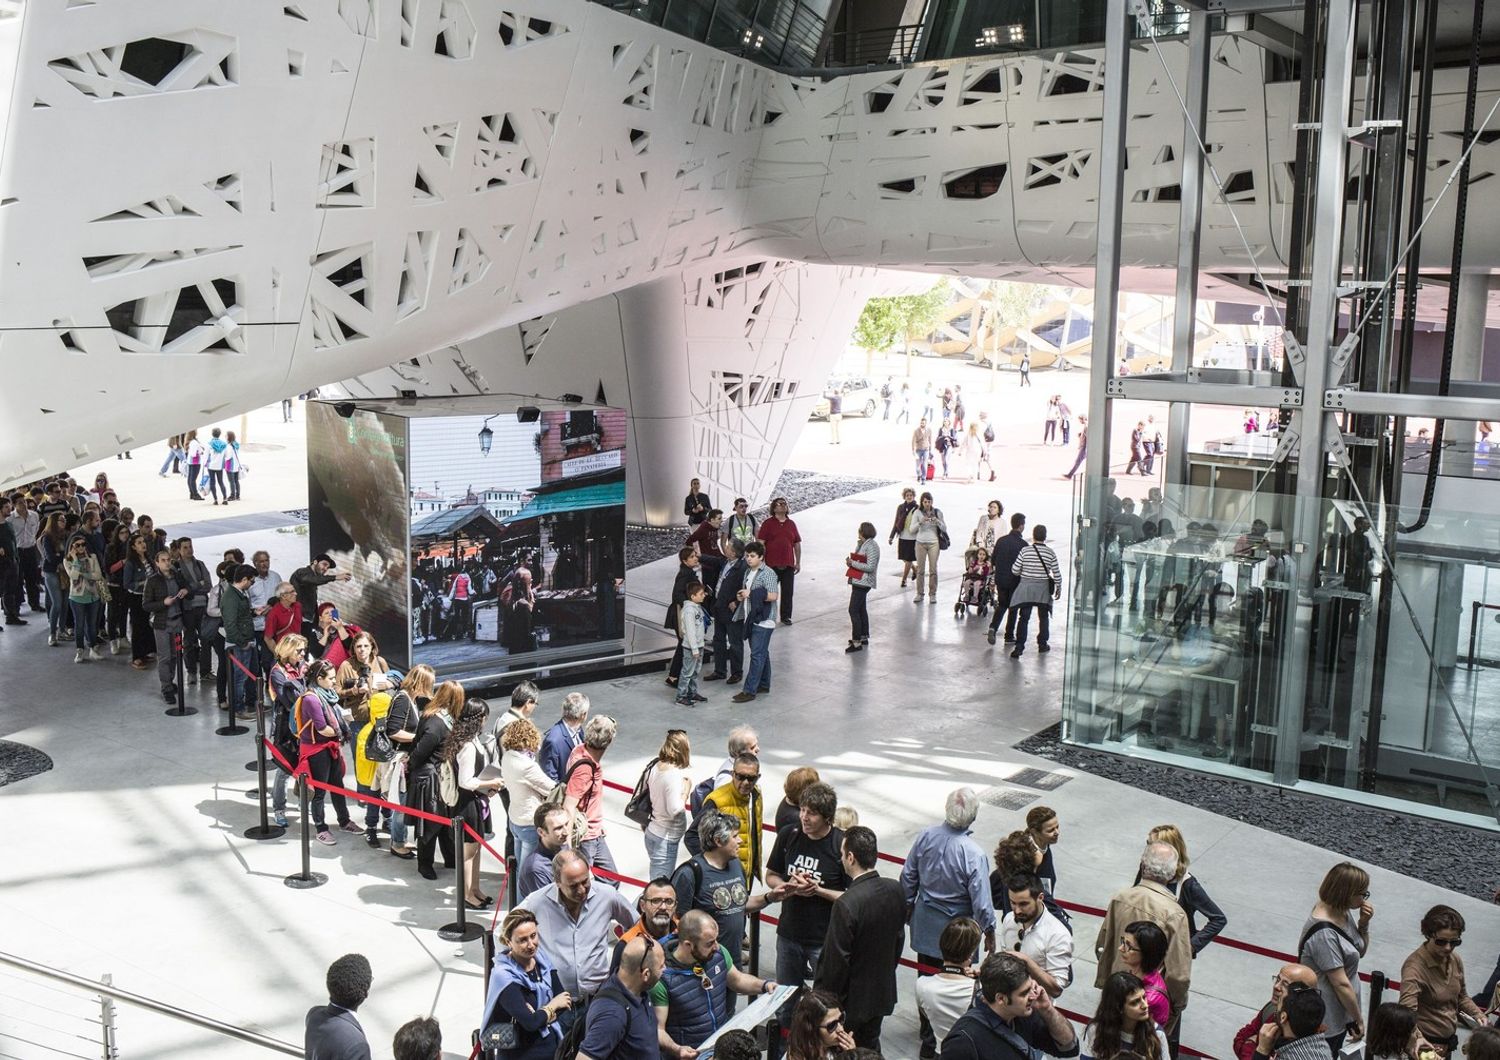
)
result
[(860, 398)]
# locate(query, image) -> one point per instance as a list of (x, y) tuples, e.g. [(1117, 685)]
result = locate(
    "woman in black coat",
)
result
[(422, 776)]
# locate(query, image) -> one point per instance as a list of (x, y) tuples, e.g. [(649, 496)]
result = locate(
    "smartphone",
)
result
[(333, 614)]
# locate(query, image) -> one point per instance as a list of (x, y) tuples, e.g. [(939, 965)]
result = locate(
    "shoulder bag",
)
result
[(1051, 584)]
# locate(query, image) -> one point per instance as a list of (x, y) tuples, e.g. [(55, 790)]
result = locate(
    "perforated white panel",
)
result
[(204, 207)]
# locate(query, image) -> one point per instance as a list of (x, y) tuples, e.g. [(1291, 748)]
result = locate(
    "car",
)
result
[(860, 398)]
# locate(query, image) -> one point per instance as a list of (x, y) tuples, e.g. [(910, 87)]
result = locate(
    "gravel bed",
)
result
[(802, 490), (1460, 859)]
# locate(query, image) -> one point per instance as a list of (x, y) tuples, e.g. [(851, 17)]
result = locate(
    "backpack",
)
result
[(989, 432), (638, 809), (942, 441), (285, 733), (558, 796), (447, 784), (695, 810), (572, 1042)]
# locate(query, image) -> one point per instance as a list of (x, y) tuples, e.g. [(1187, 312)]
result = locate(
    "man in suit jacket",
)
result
[(1006, 582), (864, 941), (333, 1031)]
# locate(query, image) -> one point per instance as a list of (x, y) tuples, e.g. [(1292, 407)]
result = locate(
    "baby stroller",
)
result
[(977, 589)]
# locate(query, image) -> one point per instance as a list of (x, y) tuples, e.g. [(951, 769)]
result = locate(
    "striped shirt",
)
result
[(1037, 561)]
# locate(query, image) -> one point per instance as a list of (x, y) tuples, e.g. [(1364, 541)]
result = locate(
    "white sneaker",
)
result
[(116, 646), (94, 654), (51, 640), (79, 656)]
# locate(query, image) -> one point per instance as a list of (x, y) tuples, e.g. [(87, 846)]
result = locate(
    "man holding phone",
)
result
[(1294, 1033)]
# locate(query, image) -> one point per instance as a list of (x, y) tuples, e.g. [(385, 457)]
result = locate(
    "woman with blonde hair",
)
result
[(525, 990), (669, 785), (1189, 890), (525, 781), (1334, 938), (421, 776), (287, 686), (401, 727)]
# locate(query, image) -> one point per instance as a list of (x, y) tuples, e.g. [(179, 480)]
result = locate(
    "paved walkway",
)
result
[(128, 858)]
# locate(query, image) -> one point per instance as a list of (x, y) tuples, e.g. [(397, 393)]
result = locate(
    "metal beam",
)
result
[(1155, 388), (1322, 314), (1387, 403), (1112, 161), (1189, 226)]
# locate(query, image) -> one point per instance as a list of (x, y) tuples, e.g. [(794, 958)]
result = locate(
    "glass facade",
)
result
[(784, 33), (1217, 633)]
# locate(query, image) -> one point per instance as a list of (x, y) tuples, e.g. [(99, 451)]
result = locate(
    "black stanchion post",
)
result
[(181, 710), (307, 878), (264, 830), (460, 930), (755, 944), (512, 885), (231, 726), (260, 767)]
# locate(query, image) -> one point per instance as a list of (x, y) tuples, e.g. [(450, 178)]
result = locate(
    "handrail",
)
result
[(159, 1007)]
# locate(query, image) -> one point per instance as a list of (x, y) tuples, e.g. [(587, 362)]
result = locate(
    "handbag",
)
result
[(499, 1039), (944, 541), (638, 809), (378, 746)]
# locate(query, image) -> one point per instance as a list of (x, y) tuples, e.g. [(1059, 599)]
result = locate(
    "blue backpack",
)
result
[(695, 809)]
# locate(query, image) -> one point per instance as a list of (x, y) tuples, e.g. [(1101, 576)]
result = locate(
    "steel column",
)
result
[(1189, 223), (1322, 316), (1107, 265)]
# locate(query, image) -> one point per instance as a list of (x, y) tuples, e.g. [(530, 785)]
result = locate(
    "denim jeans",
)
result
[(242, 697), (687, 680), (596, 853), (525, 839), (373, 813), (57, 603), (278, 791), (758, 673), (921, 465), (796, 964), (85, 623), (662, 853)]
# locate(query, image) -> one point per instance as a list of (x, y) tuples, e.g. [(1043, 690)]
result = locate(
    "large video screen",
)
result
[(356, 483), (517, 552)]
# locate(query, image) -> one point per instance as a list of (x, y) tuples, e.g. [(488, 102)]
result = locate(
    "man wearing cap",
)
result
[(306, 581)]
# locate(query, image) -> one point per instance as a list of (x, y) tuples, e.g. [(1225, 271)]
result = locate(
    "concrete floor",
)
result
[(149, 879), (146, 876)]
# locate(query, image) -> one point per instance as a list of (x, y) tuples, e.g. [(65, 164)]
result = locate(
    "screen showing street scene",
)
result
[(517, 539)]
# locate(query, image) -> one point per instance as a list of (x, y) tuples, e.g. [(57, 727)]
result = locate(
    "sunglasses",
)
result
[(747, 778), (1451, 944), (676, 732), (837, 1021)]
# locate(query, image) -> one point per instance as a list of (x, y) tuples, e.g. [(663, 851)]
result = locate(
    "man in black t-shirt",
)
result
[(807, 861)]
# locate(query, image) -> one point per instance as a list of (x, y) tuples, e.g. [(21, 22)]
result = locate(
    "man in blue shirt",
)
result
[(559, 741), (1012, 1020), (946, 875), (620, 1024)]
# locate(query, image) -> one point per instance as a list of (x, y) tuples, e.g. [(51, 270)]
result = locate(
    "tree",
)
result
[(906, 318)]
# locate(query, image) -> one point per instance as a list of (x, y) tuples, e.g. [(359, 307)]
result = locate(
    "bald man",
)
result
[(620, 1023), (1288, 977)]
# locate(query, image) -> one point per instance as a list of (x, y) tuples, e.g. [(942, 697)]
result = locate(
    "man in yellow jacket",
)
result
[(741, 797)]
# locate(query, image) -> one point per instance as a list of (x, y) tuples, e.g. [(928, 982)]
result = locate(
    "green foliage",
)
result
[(885, 321)]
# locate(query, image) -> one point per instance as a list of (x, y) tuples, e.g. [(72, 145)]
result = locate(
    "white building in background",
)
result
[(545, 197)]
